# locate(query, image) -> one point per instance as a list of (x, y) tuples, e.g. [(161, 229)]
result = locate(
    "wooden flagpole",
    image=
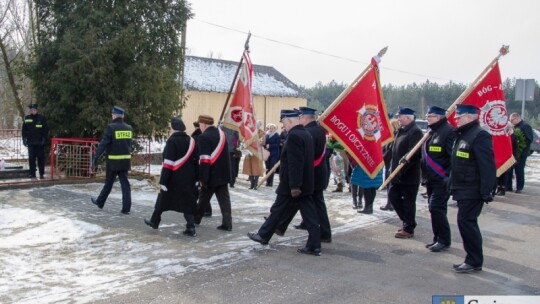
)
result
[(246, 47), (274, 168)]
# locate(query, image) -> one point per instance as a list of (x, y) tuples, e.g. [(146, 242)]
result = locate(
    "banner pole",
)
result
[(246, 47), (265, 177)]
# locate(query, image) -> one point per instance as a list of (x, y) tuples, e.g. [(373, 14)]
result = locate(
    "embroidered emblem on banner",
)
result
[(369, 123), (494, 117)]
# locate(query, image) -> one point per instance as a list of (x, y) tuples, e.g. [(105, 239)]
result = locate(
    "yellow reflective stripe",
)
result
[(435, 149), (122, 134), (39, 126), (117, 157), (462, 154), (28, 120)]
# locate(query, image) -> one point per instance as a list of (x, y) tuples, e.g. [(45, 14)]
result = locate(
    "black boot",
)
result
[(360, 197), (190, 232), (501, 191), (354, 190), (255, 182), (368, 209), (251, 180), (387, 207)]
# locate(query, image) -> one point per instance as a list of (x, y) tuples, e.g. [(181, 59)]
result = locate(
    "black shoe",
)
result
[(438, 247), (354, 206), (124, 212), (41, 177), (207, 214), (221, 227), (300, 227), (466, 268), (519, 191), (31, 176), (387, 207), (189, 232), (279, 232), (149, 223), (257, 238), (94, 201), (365, 211), (431, 244), (326, 240), (305, 250)]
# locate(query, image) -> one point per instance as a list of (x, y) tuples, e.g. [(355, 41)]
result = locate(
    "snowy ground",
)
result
[(58, 247)]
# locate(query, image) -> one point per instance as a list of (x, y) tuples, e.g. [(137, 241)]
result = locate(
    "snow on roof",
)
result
[(215, 75)]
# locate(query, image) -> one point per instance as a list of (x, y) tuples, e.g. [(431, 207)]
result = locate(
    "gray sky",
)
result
[(427, 39)]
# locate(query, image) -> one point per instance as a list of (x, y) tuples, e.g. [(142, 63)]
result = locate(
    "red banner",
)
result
[(241, 113), (358, 120), (488, 96)]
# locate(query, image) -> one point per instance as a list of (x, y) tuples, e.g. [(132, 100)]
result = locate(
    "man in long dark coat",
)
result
[(214, 171), (179, 175), (296, 182), (35, 133)]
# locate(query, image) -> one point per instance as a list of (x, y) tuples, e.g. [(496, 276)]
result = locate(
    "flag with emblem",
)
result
[(240, 115), (486, 93), (358, 119)]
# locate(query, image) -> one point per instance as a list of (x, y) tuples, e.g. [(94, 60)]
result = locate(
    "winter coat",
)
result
[(437, 152), (214, 161), (406, 138), (116, 142), (360, 178), (35, 130), (319, 150), (179, 174)]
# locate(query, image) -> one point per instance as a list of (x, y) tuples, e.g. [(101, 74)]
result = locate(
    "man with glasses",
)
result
[(472, 180), (436, 154), (526, 137)]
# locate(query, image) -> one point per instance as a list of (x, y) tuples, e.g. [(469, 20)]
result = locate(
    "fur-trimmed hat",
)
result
[(206, 119)]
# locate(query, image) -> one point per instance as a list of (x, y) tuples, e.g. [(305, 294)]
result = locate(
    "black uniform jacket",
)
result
[(214, 161), (473, 170), (117, 143), (179, 174), (319, 148), (296, 163), (35, 130), (438, 152), (406, 138)]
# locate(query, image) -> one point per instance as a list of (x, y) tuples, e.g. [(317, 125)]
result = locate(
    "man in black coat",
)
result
[(521, 126), (404, 187), (308, 120), (35, 132), (179, 175), (117, 143), (472, 179), (296, 183), (214, 171), (436, 154)]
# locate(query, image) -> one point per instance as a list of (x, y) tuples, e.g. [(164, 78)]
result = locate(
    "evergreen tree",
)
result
[(92, 55)]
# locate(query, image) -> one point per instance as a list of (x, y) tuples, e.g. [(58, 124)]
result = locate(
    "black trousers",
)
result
[(158, 210), (467, 219), (224, 200), (36, 152), (110, 177), (282, 207), (403, 199), (519, 170), (320, 206), (235, 165), (438, 196)]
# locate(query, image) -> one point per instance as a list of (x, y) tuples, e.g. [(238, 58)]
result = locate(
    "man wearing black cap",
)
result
[(35, 132), (472, 179), (404, 187), (116, 142), (178, 177), (436, 154), (214, 171), (296, 178)]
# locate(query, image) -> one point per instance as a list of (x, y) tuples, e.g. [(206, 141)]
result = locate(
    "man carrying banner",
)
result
[(472, 179), (214, 171), (404, 187), (436, 154)]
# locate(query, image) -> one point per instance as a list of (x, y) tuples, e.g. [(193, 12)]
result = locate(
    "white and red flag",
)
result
[(358, 120), (240, 115), (488, 95)]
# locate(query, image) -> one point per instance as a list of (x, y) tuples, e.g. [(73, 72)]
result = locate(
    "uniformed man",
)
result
[(308, 120), (472, 179), (35, 133), (436, 154), (214, 171), (296, 178), (116, 142), (404, 187)]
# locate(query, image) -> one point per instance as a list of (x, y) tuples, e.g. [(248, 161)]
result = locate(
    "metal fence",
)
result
[(11, 147)]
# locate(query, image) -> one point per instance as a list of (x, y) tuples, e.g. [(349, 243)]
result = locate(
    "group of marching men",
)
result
[(455, 161)]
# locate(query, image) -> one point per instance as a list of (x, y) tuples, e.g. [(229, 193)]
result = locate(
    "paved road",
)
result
[(369, 265)]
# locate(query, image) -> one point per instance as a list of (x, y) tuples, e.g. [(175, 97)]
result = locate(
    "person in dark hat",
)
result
[(296, 183), (35, 132), (197, 130), (116, 142), (472, 179), (179, 175), (436, 155), (214, 171), (403, 188)]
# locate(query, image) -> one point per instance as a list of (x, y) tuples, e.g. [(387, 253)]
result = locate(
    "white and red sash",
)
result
[(318, 161), (211, 159), (177, 164)]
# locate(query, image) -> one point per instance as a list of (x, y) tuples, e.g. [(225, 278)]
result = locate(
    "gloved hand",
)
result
[(487, 198), (163, 187), (296, 192)]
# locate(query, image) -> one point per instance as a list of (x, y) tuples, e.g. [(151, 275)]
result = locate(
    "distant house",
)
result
[(207, 83)]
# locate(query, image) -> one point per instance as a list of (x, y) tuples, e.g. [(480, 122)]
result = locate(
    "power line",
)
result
[(316, 51)]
